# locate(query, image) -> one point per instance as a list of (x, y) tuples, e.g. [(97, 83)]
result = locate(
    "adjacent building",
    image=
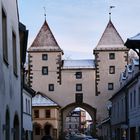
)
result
[(76, 121), (27, 94), (10, 75), (125, 104), (77, 83), (45, 117)]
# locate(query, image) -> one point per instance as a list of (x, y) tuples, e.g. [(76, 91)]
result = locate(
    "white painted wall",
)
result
[(10, 88), (27, 111)]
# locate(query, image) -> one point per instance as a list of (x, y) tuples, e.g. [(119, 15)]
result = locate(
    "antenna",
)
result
[(44, 12), (110, 8)]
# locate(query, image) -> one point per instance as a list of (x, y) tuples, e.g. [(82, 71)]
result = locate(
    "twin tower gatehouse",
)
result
[(85, 83)]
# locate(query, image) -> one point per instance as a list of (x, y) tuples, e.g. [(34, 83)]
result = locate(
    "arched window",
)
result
[(37, 129), (16, 128), (7, 124)]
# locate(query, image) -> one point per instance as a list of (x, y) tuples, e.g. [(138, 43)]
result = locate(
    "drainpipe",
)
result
[(126, 111)]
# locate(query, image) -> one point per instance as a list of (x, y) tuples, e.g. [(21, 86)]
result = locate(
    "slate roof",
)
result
[(42, 100), (76, 64), (110, 38), (136, 37), (133, 42), (45, 40)]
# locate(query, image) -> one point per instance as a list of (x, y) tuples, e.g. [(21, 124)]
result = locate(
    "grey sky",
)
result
[(78, 24)]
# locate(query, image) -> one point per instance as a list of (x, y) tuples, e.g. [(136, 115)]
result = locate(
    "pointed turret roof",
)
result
[(110, 38), (45, 40)]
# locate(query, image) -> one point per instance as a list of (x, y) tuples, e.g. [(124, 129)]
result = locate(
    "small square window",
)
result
[(79, 97), (44, 56), (111, 55), (36, 113), (78, 87), (45, 70), (78, 75), (47, 113), (111, 69), (110, 86), (51, 87)]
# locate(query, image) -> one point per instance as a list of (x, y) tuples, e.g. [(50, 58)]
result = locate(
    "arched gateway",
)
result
[(65, 111), (77, 83)]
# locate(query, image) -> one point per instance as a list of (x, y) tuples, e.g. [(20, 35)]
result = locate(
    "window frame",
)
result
[(51, 87), (36, 115), (111, 56), (44, 67), (112, 86), (49, 113), (45, 57), (78, 75), (78, 87), (37, 130), (139, 96), (111, 69), (4, 36), (14, 46)]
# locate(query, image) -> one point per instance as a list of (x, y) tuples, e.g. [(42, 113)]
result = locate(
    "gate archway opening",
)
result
[(65, 116)]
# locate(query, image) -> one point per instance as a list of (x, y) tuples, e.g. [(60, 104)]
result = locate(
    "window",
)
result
[(47, 113), (29, 107), (26, 106), (78, 75), (76, 126), (44, 70), (14, 53), (4, 36), (36, 113), (37, 130), (131, 100), (134, 98), (44, 56), (110, 86), (70, 126), (111, 69), (79, 98), (139, 96), (111, 55), (78, 87), (51, 87)]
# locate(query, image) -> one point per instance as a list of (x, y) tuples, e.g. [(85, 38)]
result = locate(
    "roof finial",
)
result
[(44, 12), (110, 11)]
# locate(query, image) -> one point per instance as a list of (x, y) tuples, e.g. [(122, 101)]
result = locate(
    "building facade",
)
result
[(125, 105), (28, 93), (85, 83), (45, 117), (75, 121), (10, 86)]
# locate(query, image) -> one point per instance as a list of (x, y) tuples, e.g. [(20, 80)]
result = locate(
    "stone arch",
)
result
[(37, 131), (48, 127), (7, 124), (37, 124), (16, 127), (64, 112)]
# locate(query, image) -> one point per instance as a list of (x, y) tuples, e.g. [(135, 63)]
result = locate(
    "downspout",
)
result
[(126, 111), (22, 79)]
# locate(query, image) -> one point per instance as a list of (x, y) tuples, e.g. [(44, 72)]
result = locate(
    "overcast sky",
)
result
[(78, 24)]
